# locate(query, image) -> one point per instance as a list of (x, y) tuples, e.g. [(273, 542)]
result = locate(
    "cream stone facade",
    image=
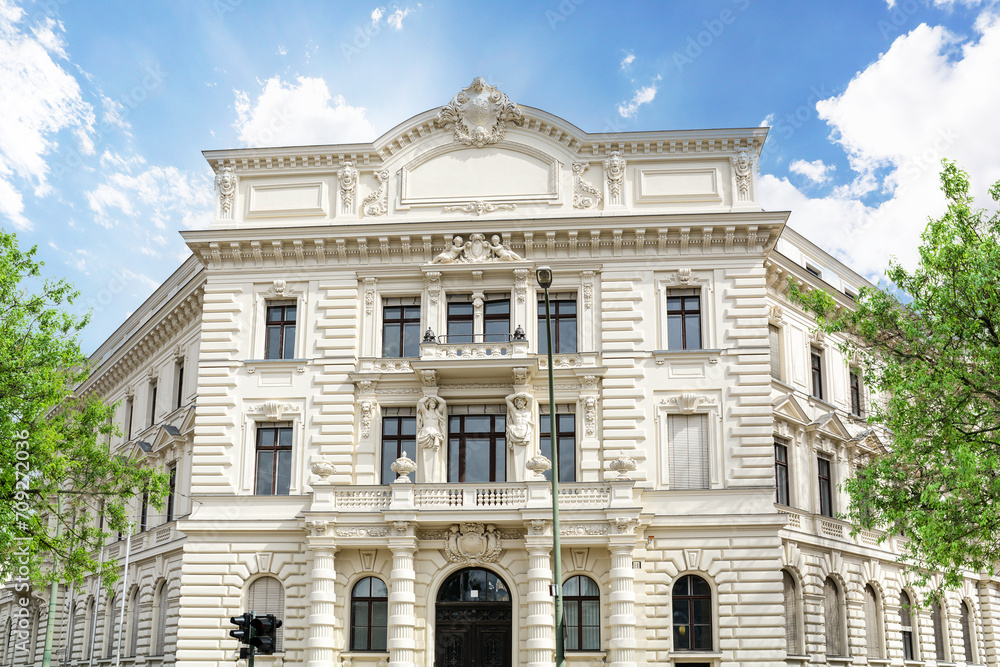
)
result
[(356, 306)]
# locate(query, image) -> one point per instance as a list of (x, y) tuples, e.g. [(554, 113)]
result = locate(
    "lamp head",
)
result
[(543, 275)]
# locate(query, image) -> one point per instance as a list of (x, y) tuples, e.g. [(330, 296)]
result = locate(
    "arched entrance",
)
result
[(473, 621)]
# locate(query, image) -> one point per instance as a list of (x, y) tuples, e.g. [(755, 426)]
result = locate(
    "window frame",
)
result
[(579, 599), (707, 404), (170, 506), (276, 448), (777, 362), (400, 326), (496, 317), (457, 439), (967, 623), (705, 452), (690, 625), (780, 465), (179, 382), (401, 443), (874, 625), (370, 600), (906, 612), (816, 372), (558, 319), (854, 389), (684, 313), (162, 613), (795, 613), (283, 325), (824, 486), (566, 473), (939, 628), (154, 386)]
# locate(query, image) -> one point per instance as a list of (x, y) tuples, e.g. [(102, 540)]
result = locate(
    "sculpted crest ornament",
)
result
[(480, 114), (472, 543)]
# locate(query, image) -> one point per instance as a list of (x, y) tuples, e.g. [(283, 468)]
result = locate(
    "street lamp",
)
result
[(543, 275)]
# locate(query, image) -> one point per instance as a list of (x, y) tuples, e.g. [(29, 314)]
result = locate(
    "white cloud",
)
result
[(396, 18), (644, 95), (815, 171), (930, 96), (377, 15), (299, 114), (768, 120), (41, 99), (165, 196), (282, 51), (627, 60)]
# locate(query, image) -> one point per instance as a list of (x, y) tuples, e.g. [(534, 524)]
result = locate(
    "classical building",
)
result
[(348, 383)]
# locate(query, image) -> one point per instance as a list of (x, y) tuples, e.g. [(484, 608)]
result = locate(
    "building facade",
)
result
[(348, 383)]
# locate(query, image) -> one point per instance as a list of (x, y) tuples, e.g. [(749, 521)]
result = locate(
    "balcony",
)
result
[(476, 346)]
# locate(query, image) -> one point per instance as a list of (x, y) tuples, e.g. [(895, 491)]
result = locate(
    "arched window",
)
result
[(162, 619), (369, 615), (938, 623), (966, 620), (111, 621), (267, 596), (692, 600), (906, 625), (133, 625), (582, 614), (873, 624), (831, 613), (88, 629), (793, 643), (8, 640)]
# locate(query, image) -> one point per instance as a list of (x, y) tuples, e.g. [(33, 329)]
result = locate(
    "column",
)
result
[(621, 646), (401, 599), (540, 624), (323, 598)]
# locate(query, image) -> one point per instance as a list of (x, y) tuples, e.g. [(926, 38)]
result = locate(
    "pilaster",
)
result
[(402, 621), (540, 623), (621, 622), (323, 597)]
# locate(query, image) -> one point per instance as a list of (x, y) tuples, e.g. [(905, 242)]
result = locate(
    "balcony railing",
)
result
[(500, 496)]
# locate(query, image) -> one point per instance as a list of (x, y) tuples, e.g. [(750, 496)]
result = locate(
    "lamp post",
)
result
[(543, 275)]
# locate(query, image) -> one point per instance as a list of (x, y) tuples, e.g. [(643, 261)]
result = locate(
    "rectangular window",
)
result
[(274, 459), (401, 327), (562, 312), (461, 322), (279, 342), (825, 486), (399, 434), (684, 320), (814, 270), (129, 411), (477, 450), (172, 492), (855, 392), (496, 320), (565, 440), (781, 471), (816, 367), (152, 402), (179, 379), (687, 437), (144, 512), (774, 342)]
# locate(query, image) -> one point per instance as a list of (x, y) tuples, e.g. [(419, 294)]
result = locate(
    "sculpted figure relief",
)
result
[(431, 416), (520, 425), (452, 254), (502, 252), (477, 249)]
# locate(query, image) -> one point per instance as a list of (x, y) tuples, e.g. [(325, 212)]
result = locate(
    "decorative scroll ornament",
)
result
[(272, 410), (481, 207), (476, 250), (585, 195), (744, 163), (614, 170), (367, 407), (348, 177), (479, 114), (226, 181), (377, 203), (623, 465), (472, 543), (688, 402), (403, 466)]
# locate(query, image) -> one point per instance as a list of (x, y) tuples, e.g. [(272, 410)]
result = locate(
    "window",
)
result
[(267, 596), (850, 294), (162, 620), (582, 614), (793, 644), (565, 439), (461, 321), (496, 320), (816, 366), (832, 617), (825, 486), (687, 437), (855, 392), (401, 327), (813, 270), (133, 626), (129, 410), (144, 512), (692, 607), (399, 434), (562, 312), (774, 342), (781, 471), (171, 493), (873, 624), (937, 623), (369, 615), (684, 320), (906, 625), (152, 402), (477, 449), (111, 626), (274, 460), (88, 630), (279, 341), (966, 622), (179, 380)]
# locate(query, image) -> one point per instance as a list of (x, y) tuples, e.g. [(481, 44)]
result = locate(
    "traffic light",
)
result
[(244, 631), (263, 637)]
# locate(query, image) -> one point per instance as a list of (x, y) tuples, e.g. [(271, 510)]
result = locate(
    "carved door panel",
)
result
[(473, 635)]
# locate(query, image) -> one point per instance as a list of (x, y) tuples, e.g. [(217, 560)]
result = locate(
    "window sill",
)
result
[(662, 356), (276, 364), (839, 660)]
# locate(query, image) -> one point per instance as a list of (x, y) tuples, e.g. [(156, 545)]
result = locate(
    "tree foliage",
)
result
[(62, 491), (935, 361)]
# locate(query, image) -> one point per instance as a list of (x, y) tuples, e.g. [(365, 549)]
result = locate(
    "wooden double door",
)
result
[(473, 621)]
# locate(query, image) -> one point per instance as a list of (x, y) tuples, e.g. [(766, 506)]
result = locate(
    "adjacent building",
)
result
[(348, 384)]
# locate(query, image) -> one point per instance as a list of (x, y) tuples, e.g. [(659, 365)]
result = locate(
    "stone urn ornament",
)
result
[(623, 465), (403, 466), (322, 469), (538, 465)]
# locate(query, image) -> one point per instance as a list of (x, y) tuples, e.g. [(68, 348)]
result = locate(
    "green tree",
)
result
[(62, 491), (933, 357)]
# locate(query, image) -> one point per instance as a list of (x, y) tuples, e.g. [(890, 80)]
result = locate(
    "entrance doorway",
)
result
[(473, 620)]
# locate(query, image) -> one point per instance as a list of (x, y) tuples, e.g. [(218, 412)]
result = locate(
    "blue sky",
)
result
[(105, 107)]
